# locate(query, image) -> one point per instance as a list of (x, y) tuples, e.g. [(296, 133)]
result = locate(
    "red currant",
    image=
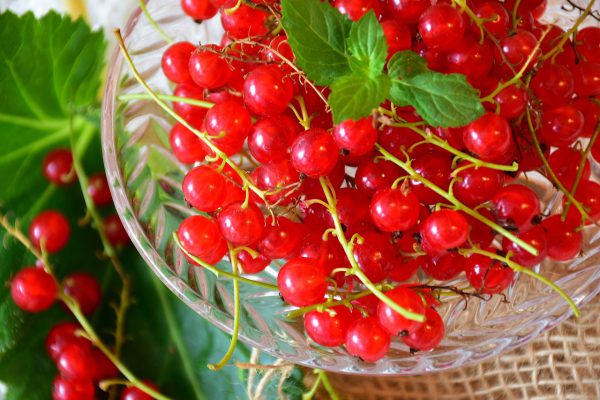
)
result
[(330, 327), (561, 125), (518, 48), (512, 101), (587, 44), (58, 167), (229, 123), (587, 79), (489, 137), (267, 90), (76, 362), (565, 162), (564, 241), (471, 58), (187, 147), (314, 153), (517, 205), (281, 238), (357, 137), (429, 334), (394, 209), (356, 9), (487, 275), (367, 339), (33, 289), (495, 15), (535, 237), (115, 231), (133, 393), (301, 282), (209, 69), (50, 230), (251, 265), (199, 9), (85, 289), (445, 229), (408, 11), (191, 113), (442, 27), (395, 323), (553, 84), (444, 268), (204, 188), (200, 236), (176, 60), (477, 185), (98, 189), (397, 36), (59, 336), (270, 139), (66, 389), (241, 226), (245, 22)]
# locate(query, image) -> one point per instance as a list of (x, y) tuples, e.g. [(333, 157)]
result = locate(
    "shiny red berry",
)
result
[(115, 231), (330, 327), (204, 188), (357, 137), (186, 146), (367, 339), (66, 389), (445, 229), (200, 236), (133, 393), (393, 322), (176, 60), (517, 205), (199, 9), (76, 362), (535, 237), (241, 225), (442, 27), (394, 209), (99, 190), (252, 265), (58, 167), (564, 241), (487, 275), (209, 69), (561, 125), (267, 90), (85, 289), (429, 334), (49, 230), (489, 137), (61, 335), (33, 289), (301, 282), (314, 153)]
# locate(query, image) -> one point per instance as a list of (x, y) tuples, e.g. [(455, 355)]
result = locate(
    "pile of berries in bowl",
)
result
[(454, 219)]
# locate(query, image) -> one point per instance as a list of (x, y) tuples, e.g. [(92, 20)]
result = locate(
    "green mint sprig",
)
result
[(350, 58)]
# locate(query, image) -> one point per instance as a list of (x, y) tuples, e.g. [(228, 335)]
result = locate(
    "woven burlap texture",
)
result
[(562, 364)]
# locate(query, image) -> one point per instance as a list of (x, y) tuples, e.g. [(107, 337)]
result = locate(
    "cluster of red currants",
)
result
[(264, 115), (34, 289)]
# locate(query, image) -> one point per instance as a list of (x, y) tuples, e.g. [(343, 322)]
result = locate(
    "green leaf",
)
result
[(317, 33), (406, 64), (48, 68), (441, 100), (355, 96), (368, 46)]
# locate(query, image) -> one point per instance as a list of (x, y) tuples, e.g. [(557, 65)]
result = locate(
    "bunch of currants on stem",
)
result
[(372, 216)]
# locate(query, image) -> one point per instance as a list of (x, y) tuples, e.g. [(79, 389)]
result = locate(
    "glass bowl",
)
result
[(145, 182)]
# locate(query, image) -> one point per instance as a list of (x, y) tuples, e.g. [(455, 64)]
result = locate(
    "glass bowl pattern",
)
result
[(145, 182)]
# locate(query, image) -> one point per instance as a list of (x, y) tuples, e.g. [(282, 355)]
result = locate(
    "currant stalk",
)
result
[(166, 97), (248, 184), (323, 379), (355, 270), (152, 21), (457, 204), (462, 4), (527, 271), (236, 315)]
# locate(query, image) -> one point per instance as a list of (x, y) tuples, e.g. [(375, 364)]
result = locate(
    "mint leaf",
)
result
[(406, 64), (48, 68), (317, 33), (355, 96), (440, 99), (367, 45)]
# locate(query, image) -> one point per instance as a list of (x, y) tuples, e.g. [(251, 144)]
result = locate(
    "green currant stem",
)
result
[(327, 384), (108, 383), (313, 390), (553, 177), (233, 9), (153, 22), (236, 315), (570, 32), (218, 272), (527, 271), (517, 77), (73, 306), (355, 270), (515, 21), (584, 158), (456, 203), (202, 135), (166, 97), (109, 250), (478, 21), (439, 142), (322, 306)]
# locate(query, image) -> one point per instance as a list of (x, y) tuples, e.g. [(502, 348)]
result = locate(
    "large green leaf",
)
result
[(317, 33), (368, 46), (355, 96), (48, 68)]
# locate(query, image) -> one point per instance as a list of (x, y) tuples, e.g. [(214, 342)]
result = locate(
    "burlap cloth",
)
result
[(562, 364)]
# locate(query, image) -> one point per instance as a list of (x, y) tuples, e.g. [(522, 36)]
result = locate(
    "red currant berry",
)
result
[(477, 185), (281, 238), (105, 369), (245, 22), (536, 237), (367, 339), (278, 48), (561, 125), (442, 27), (352, 207), (481, 233), (76, 362), (241, 226), (395, 323), (565, 162), (49, 230), (229, 123), (187, 147), (588, 194), (445, 229), (373, 175), (270, 139), (209, 69), (487, 275), (191, 113), (471, 58), (33, 289), (394, 209), (518, 48), (330, 327), (133, 393), (357, 137), (199, 9), (495, 15), (429, 334), (58, 167), (408, 11), (85, 289), (395, 140), (267, 90), (115, 231), (489, 137), (314, 153), (176, 60), (587, 44), (301, 282), (98, 189), (204, 188), (356, 9), (444, 268), (516, 205), (397, 36), (59, 336), (564, 241), (591, 116), (252, 265), (436, 167), (553, 84), (374, 255), (587, 79), (200, 236), (512, 101), (65, 389)]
